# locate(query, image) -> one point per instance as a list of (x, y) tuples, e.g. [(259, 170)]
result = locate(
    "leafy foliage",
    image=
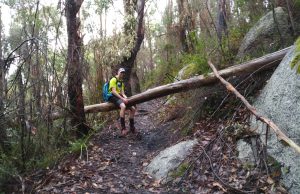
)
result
[(198, 57), (7, 168)]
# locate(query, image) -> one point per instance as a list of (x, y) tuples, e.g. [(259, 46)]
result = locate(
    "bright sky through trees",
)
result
[(92, 24)]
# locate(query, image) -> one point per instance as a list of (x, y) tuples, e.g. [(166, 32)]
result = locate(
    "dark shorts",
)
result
[(115, 100)]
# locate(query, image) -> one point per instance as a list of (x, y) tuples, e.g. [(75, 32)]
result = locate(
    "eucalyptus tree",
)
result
[(100, 48), (3, 136), (181, 4), (29, 52), (145, 59), (134, 31), (26, 18), (21, 39), (74, 63), (101, 9), (221, 25)]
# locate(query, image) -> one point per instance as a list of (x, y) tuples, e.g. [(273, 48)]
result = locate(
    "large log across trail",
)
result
[(265, 62)]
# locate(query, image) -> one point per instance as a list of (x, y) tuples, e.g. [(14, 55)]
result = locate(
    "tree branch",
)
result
[(252, 109)]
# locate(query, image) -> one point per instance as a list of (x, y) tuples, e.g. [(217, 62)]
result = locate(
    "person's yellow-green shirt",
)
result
[(114, 83)]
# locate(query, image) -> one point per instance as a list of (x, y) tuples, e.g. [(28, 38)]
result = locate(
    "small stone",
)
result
[(145, 164)]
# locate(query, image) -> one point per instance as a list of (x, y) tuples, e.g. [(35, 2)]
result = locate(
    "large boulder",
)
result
[(187, 71), (264, 37), (280, 101), (169, 159)]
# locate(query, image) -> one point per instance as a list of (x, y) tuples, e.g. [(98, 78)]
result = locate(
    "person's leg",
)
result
[(131, 119), (122, 111), (118, 102), (122, 115)]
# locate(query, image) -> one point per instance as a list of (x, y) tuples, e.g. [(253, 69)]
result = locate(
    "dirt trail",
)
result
[(114, 164)]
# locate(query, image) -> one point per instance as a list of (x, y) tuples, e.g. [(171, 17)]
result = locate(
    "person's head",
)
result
[(121, 72)]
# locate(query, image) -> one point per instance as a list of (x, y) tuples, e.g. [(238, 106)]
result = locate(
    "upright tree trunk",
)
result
[(99, 75), (2, 83), (288, 5), (150, 45), (221, 20), (135, 86), (182, 25), (128, 62), (36, 77), (21, 117), (101, 25), (3, 136), (36, 72), (75, 67)]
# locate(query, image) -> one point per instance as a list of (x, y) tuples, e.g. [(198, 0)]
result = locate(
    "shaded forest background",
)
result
[(51, 61)]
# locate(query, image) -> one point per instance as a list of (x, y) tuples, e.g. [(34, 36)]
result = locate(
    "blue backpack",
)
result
[(105, 92)]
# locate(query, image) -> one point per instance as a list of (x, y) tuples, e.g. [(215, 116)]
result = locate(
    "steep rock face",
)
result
[(280, 101), (264, 37)]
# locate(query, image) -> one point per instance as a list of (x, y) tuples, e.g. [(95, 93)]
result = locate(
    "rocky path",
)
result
[(113, 164)]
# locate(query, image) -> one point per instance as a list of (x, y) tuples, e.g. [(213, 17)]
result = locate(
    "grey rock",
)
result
[(169, 159), (263, 37), (280, 102), (245, 153), (186, 72)]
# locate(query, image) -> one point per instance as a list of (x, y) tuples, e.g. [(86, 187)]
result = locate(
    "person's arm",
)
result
[(123, 94), (112, 87), (114, 92)]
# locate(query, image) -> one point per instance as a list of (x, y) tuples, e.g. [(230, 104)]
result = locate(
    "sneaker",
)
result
[(124, 132)]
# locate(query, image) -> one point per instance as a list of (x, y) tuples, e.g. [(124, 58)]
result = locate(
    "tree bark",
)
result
[(36, 69), (182, 29), (3, 136), (135, 86), (21, 117), (252, 109), (36, 73), (256, 65), (288, 5), (75, 68), (221, 20)]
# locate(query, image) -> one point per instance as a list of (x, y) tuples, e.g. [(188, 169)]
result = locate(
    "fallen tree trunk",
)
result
[(252, 109), (262, 63)]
